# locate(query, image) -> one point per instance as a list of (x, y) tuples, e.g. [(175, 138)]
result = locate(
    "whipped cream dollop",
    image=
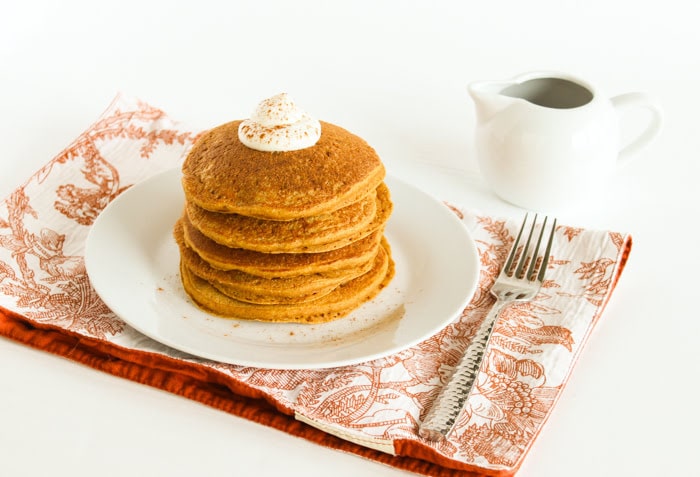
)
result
[(277, 124)]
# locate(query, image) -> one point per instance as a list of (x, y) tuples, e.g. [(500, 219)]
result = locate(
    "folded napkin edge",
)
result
[(103, 356)]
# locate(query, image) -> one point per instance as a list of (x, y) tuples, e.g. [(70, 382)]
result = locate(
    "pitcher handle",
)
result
[(638, 100)]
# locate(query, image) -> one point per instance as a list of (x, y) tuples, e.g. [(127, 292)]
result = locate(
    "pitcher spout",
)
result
[(488, 98)]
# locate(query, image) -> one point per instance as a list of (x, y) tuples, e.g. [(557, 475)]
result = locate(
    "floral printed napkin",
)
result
[(372, 409)]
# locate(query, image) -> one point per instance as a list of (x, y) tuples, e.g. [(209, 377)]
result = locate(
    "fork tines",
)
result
[(528, 255)]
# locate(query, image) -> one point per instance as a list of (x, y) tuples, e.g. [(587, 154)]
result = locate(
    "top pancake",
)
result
[(221, 174)]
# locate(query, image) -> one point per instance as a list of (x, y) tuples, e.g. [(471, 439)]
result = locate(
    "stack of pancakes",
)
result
[(292, 236)]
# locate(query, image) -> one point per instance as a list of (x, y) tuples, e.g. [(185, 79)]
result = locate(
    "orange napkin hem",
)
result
[(206, 386)]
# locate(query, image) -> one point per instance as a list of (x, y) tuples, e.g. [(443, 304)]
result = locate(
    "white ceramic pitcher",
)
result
[(545, 139)]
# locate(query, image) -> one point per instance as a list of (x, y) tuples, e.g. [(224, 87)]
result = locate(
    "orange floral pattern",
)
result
[(44, 223), (47, 283)]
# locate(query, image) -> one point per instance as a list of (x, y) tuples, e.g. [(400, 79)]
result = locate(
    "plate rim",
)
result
[(91, 261)]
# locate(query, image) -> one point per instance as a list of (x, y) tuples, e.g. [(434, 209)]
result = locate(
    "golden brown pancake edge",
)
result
[(223, 175), (342, 301)]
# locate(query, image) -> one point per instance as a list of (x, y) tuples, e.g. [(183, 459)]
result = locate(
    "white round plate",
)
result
[(132, 261)]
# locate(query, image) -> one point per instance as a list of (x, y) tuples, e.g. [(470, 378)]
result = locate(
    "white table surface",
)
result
[(396, 74)]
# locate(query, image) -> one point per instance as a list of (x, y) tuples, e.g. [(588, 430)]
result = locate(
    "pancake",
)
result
[(250, 242), (253, 289), (221, 174), (277, 265), (340, 302), (277, 291), (275, 236)]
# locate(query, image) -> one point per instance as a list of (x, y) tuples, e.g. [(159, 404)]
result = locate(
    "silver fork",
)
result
[(519, 281)]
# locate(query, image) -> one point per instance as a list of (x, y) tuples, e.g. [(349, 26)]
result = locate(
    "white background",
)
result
[(396, 74)]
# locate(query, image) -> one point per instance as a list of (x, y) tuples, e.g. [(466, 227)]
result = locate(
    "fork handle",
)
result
[(442, 416)]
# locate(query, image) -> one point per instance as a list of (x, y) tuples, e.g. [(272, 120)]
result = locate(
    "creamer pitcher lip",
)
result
[(553, 74), (484, 88)]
